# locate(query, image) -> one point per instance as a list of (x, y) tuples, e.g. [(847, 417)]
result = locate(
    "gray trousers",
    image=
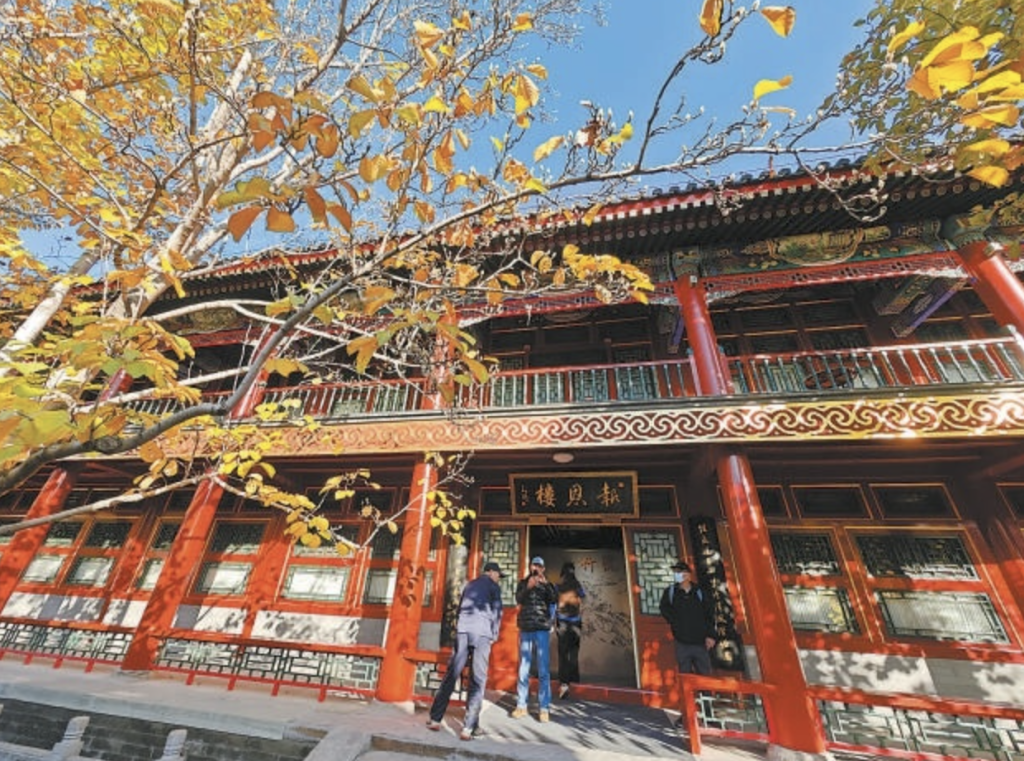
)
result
[(693, 659), (480, 647)]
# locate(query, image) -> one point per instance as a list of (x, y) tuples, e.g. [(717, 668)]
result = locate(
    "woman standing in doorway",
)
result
[(569, 626)]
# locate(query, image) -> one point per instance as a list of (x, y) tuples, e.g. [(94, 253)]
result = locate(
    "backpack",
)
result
[(672, 594)]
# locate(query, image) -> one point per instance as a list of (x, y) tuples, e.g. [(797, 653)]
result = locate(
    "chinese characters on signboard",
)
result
[(728, 651), (612, 492)]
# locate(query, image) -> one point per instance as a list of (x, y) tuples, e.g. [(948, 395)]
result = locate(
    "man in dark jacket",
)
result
[(477, 628), (537, 600), (689, 614)]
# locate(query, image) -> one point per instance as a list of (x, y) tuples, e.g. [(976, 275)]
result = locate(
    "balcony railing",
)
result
[(999, 360)]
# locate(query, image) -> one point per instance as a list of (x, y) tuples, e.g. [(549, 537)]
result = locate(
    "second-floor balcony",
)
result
[(847, 371)]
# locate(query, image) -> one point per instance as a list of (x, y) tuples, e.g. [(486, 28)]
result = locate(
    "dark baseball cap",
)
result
[(679, 565), (492, 566)]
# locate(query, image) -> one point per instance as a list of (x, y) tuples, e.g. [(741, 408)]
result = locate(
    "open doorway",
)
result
[(599, 556)]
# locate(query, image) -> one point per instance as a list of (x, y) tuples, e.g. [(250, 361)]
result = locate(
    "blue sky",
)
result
[(623, 63)]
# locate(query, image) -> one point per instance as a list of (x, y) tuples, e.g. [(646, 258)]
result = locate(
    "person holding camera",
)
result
[(537, 599)]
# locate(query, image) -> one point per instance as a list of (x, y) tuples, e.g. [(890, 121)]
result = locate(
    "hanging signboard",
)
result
[(728, 651), (600, 493)]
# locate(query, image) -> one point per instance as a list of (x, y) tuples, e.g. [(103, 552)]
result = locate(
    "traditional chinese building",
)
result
[(823, 416)]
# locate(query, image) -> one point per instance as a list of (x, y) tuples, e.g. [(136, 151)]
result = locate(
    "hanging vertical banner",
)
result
[(728, 651)]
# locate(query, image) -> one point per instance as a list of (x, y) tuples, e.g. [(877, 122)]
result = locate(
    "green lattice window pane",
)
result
[(548, 389), (380, 586), (150, 573), (316, 582), (62, 534), (165, 536), (231, 538), (656, 551), (503, 547), (821, 609), (223, 578), (89, 572), (43, 569), (916, 557), (805, 554), (108, 535), (590, 386), (960, 616)]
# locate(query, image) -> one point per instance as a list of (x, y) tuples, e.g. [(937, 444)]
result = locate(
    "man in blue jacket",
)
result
[(476, 630)]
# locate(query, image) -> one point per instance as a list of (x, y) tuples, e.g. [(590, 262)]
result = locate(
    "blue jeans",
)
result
[(528, 643)]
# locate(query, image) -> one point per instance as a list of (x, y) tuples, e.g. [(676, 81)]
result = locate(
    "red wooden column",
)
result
[(707, 363), (397, 673), (26, 543), (795, 723), (993, 280), (185, 554)]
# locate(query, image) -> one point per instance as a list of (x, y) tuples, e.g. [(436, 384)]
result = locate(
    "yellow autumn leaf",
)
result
[(548, 147), (240, 222), (537, 70), (993, 146), (932, 81), (967, 34), (435, 106), (996, 176), (359, 85), (424, 212), (711, 17), (901, 38), (359, 121), (990, 116), (463, 22), (279, 221), (369, 168), (781, 18), (427, 34), (340, 213), (523, 23), (591, 214), (765, 86), (527, 94)]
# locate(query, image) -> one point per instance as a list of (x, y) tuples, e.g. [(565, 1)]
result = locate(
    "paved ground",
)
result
[(361, 730)]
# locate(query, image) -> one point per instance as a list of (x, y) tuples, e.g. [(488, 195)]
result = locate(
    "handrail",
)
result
[(993, 360)]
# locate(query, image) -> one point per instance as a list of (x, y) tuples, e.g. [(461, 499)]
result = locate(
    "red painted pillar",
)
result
[(27, 542), (707, 363), (185, 554), (994, 282), (397, 673), (794, 719)]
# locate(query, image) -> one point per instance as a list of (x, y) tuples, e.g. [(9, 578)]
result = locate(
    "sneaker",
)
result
[(469, 734), (434, 726), (519, 713), (563, 692), (544, 717)]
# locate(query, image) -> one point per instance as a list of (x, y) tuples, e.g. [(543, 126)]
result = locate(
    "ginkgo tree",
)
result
[(939, 85), (161, 138)]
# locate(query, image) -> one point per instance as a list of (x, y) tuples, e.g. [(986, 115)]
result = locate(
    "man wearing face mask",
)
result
[(688, 613)]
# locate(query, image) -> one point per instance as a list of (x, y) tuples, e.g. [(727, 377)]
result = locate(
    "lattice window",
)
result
[(960, 616), (941, 734), (504, 547), (590, 386), (58, 546), (821, 609), (156, 554), (805, 554), (656, 551), (916, 557), (509, 390), (548, 389), (320, 573), (727, 711), (633, 383), (229, 559)]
